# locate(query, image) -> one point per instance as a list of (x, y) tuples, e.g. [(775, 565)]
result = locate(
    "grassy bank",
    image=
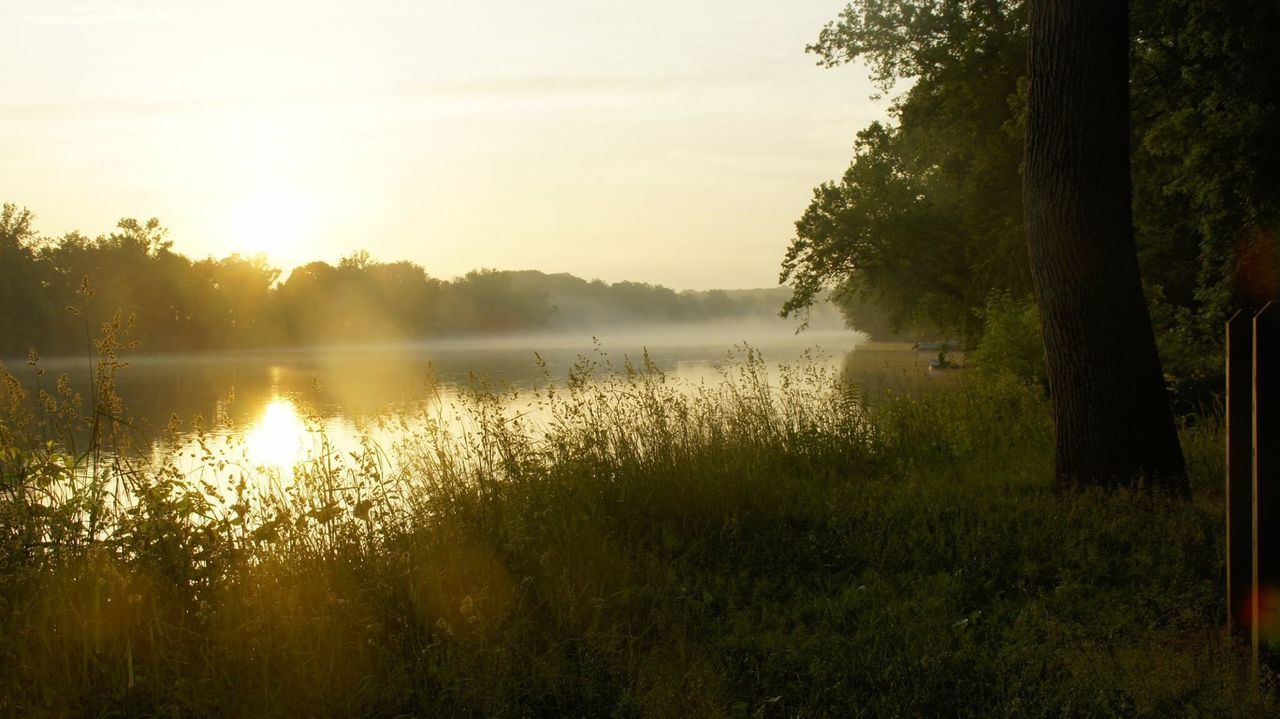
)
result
[(760, 547)]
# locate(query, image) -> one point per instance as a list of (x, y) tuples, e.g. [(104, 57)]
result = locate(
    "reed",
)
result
[(766, 545)]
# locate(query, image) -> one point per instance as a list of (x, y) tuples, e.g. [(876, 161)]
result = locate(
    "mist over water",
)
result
[(269, 409), (365, 379)]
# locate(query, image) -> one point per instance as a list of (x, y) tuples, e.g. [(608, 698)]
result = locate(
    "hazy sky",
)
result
[(667, 141)]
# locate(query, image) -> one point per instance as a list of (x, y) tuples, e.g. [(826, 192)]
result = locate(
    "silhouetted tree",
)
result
[(237, 302), (927, 221), (1112, 415), (21, 303)]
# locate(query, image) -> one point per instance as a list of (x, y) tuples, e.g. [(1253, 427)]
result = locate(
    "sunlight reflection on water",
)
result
[(277, 438), (277, 420)]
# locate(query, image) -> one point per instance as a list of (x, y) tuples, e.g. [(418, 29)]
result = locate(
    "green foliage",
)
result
[(1011, 342), (1206, 152), (927, 220), (19, 280), (241, 302), (866, 316), (765, 546)]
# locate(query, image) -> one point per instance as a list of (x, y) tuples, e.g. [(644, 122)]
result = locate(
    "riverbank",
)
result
[(749, 550)]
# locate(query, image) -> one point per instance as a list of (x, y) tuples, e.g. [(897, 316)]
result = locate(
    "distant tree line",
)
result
[(55, 291)]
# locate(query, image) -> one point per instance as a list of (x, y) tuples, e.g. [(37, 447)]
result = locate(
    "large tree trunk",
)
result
[(1114, 423)]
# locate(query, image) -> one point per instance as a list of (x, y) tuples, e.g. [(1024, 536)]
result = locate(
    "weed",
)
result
[(764, 545)]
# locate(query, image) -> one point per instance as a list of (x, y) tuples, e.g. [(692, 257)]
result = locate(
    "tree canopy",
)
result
[(55, 291), (927, 223)]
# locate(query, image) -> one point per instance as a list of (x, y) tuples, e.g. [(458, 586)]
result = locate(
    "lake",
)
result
[(271, 409)]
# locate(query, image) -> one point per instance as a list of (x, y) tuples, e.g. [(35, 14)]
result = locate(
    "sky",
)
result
[(668, 141)]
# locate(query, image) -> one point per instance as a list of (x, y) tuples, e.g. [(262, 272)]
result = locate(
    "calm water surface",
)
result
[(274, 409)]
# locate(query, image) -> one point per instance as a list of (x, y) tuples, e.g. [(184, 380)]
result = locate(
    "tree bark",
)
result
[(1111, 410)]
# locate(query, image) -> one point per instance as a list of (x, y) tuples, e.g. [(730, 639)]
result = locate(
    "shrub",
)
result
[(1011, 342)]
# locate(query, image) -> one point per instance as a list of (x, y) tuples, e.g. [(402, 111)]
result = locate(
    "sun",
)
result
[(274, 222)]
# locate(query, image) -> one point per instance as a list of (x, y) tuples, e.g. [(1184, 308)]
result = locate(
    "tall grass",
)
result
[(766, 545)]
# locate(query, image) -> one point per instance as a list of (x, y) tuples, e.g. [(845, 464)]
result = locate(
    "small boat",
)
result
[(935, 346), (942, 361)]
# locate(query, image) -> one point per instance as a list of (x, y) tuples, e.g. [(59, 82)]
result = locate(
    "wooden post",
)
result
[(1266, 480), (1239, 490)]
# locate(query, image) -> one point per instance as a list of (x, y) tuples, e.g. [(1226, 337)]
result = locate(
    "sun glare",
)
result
[(273, 222), (277, 438)]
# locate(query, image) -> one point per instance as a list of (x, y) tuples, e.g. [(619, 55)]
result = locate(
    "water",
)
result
[(272, 409)]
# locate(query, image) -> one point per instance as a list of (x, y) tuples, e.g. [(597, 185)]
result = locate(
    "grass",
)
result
[(761, 547)]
